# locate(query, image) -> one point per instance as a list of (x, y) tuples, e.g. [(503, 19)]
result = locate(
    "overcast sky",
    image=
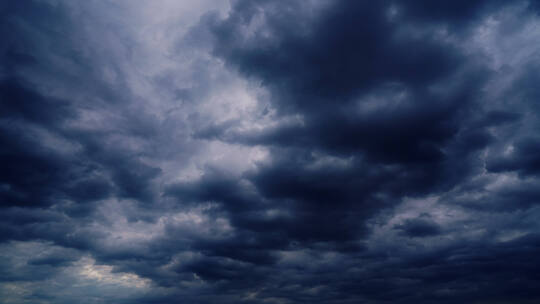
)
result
[(299, 151)]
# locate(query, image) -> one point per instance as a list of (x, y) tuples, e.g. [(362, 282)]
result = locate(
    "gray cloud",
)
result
[(256, 151)]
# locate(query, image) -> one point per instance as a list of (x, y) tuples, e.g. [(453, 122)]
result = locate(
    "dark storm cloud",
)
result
[(56, 172), (379, 90), (419, 228), (363, 85), (37, 174), (20, 102), (56, 258), (524, 158), (367, 90), (399, 140), (462, 269)]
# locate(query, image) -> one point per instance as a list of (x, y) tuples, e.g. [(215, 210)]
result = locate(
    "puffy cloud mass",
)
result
[(264, 151)]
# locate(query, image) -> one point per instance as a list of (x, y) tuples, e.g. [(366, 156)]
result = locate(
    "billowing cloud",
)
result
[(269, 152)]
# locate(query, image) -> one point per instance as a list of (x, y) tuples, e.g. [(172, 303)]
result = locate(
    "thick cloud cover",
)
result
[(269, 151)]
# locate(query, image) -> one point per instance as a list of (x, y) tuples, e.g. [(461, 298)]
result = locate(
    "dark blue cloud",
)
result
[(299, 152)]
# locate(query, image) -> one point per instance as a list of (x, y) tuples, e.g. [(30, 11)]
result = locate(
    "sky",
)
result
[(265, 151)]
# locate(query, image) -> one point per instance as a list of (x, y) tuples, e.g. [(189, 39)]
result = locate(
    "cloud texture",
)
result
[(269, 151)]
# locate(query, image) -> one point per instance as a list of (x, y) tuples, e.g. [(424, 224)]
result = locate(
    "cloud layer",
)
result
[(269, 152)]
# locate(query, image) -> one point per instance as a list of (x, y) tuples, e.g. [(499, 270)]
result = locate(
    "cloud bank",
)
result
[(269, 152)]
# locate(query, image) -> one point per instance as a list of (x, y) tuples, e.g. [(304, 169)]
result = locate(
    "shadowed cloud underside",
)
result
[(264, 151)]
